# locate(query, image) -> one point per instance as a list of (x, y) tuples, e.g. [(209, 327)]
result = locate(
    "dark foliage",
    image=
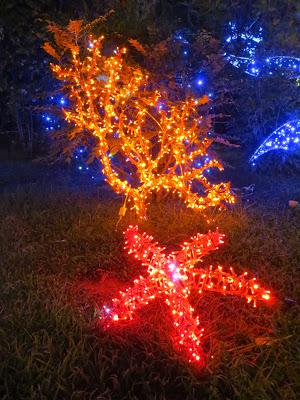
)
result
[(251, 108)]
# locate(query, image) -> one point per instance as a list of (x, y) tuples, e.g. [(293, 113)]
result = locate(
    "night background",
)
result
[(145, 127)]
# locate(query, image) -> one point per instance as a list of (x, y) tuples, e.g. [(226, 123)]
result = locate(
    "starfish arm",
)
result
[(198, 247), (142, 246), (129, 301), (187, 334), (217, 280)]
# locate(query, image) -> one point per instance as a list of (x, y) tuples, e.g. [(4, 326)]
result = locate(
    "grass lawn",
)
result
[(56, 243)]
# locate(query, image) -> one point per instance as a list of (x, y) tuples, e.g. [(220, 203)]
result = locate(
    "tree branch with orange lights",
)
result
[(144, 147)]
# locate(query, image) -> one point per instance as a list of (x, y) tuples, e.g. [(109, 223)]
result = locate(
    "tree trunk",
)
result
[(20, 130)]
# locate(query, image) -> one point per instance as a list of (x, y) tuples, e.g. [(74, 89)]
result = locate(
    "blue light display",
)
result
[(250, 63), (286, 137), (52, 123), (196, 81)]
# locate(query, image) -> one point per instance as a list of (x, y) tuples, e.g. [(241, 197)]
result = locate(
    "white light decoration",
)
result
[(249, 63), (286, 137)]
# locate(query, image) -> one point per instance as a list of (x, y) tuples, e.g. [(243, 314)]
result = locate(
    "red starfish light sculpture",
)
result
[(172, 277)]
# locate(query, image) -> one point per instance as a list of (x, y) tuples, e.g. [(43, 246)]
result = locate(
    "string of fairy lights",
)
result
[(143, 148), (52, 122), (195, 81)]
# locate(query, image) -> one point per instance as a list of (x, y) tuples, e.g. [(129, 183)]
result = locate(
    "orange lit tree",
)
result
[(146, 142)]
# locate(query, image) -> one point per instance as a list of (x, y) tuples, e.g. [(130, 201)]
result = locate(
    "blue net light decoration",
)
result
[(286, 138), (248, 42), (195, 81), (187, 77), (51, 122)]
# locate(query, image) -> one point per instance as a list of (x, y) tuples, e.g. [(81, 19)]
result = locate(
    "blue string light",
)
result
[(52, 123), (286, 137), (196, 83), (250, 63)]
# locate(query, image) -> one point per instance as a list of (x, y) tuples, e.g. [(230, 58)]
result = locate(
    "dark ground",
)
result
[(270, 190)]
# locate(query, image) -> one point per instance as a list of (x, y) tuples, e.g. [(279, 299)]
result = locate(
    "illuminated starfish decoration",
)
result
[(173, 278)]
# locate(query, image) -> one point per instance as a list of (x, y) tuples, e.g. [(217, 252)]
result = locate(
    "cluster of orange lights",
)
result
[(155, 147), (173, 278)]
